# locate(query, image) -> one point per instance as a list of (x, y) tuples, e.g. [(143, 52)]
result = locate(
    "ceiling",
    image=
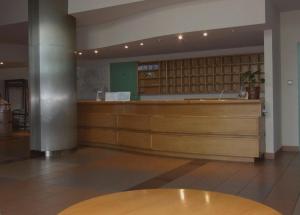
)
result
[(195, 41), (111, 14)]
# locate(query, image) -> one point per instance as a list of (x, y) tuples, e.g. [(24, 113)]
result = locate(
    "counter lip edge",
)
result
[(169, 102)]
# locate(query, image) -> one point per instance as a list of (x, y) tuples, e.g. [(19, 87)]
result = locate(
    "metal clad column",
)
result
[(52, 75)]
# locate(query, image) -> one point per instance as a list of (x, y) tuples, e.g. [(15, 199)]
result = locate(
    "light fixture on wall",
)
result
[(1, 63), (79, 53), (180, 37), (96, 51), (205, 34), (126, 46), (141, 44)]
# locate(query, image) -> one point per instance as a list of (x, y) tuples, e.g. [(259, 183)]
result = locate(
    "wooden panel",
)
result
[(202, 128), (133, 121), (205, 125), (196, 109), (134, 139), (207, 145), (97, 135), (96, 120), (93, 107), (199, 75)]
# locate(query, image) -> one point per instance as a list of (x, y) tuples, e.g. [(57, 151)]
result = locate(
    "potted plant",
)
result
[(249, 81)]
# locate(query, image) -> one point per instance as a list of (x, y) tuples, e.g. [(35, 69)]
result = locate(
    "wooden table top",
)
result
[(169, 202), (172, 102)]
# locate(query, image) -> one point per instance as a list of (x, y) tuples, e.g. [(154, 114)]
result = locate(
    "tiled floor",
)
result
[(40, 186)]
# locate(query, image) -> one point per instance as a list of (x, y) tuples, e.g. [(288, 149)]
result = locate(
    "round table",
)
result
[(169, 202)]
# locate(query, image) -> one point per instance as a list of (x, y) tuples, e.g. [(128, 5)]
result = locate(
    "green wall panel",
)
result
[(123, 77)]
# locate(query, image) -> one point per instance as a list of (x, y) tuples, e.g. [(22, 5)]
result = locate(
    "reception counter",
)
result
[(207, 129)]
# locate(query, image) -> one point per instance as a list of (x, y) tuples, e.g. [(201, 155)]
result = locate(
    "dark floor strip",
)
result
[(33, 155), (12, 160), (167, 177)]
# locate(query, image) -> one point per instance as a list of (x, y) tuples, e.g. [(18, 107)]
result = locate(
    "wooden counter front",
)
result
[(210, 129)]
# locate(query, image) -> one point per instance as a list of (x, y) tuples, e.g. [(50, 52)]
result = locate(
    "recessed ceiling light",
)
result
[(79, 53), (126, 46), (205, 34), (1, 63), (180, 37), (141, 44), (96, 51)]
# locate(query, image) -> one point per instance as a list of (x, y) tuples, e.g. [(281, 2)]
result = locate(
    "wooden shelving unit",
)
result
[(198, 75)]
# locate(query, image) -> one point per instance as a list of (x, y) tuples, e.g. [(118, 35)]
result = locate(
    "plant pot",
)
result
[(253, 92)]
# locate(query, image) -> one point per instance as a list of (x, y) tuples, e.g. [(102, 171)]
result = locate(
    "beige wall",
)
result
[(13, 53), (2, 88), (14, 73), (290, 36)]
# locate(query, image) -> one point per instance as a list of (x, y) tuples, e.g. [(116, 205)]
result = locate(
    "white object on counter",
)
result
[(98, 96), (117, 96)]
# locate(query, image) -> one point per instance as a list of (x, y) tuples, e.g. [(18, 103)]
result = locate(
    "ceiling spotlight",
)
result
[(141, 44), (79, 53), (1, 63), (126, 46), (180, 37), (96, 51), (205, 34)]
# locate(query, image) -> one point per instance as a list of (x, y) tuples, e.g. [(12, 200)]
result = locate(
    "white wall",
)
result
[(272, 93), (272, 77), (290, 36), (94, 74), (277, 118), (185, 17), (91, 77)]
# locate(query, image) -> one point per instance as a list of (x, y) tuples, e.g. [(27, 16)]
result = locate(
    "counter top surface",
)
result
[(162, 102)]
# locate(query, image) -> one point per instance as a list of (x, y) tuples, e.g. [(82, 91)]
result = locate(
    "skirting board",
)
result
[(290, 148), (272, 156), (170, 154)]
